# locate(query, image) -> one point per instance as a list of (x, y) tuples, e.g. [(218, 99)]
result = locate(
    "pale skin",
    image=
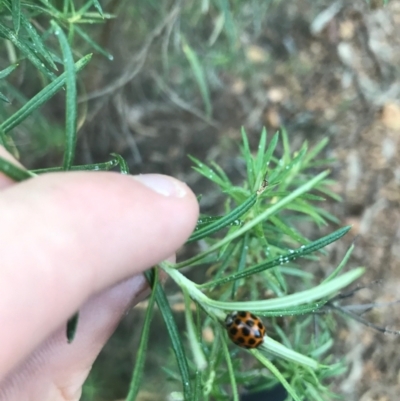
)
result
[(77, 241)]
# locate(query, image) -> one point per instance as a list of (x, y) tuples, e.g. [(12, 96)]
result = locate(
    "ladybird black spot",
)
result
[(238, 322), (253, 316), (233, 331), (252, 341), (240, 340), (250, 322), (246, 331), (260, 325), (242, 314)]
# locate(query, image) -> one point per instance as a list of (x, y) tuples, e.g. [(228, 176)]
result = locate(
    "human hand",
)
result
[(77, 241)]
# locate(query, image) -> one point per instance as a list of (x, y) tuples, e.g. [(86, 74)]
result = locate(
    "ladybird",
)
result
[(245, 329)]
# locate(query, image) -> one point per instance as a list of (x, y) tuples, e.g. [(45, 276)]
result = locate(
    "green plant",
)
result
[(259, 226), (254, 258), (41, 38)]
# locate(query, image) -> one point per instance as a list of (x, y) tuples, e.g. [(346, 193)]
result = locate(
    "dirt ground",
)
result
[(334, 72)]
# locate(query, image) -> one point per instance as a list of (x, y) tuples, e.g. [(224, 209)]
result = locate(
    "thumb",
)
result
[(80, 233)]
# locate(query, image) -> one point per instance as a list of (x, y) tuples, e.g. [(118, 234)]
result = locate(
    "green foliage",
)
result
[(141, 356), (199, 76), (30, 32), (268, 207), (251, 252), (205, 41), (3, 74)]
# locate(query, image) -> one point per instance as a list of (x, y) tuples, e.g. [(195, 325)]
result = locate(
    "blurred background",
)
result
[(185, 76)]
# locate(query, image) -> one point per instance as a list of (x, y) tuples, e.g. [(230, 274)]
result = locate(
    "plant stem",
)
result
[(193, 291)]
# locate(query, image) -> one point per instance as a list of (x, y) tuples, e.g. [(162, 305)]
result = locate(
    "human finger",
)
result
[(71, 235)]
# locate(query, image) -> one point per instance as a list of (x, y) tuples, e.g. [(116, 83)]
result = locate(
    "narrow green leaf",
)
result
[(219, 23), (224, 221), (4, 98), (197, 396), (296, 272), (72, 325), (198, 75), (3, 138), (322, 349), (97, 5), (205, 6), (37, 42), (291, 255), (49, 9), (221, 173), (71, 101), (92, 43), (8, 144), (301, 310), (225, 259), (313, 393), (288, 170), (16, 14), (276, 348), (271, 149), (198, 354), (231, 371), (305, 208), (84, 167), (324, 213), (14, 172), (70, 29), (271, 367), (10, 35), (289, 231), (242, 262), (137, 374), (286, 145), (260, 168), (230, 27), (99, 14), (94, 18), (248, 159), (319, 292), (258, 219), (315, 150), (216, 175), (330, 193), (175, 336), (8, 70), (45, 94), (204, 221), (123, 165), (342, 264), (208, 172)]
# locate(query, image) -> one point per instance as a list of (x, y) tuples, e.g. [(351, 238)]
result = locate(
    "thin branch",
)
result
[(137, 62), (181, 103), (363, 321)]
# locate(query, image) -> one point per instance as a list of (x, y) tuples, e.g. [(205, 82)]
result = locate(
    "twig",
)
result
[(348, 310), (137, 62), (182, 103), (363, 321)]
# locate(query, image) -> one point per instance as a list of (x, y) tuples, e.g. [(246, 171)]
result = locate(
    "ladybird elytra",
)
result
[(245, 329)]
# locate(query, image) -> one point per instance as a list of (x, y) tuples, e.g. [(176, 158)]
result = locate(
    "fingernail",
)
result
[(163, 184)]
